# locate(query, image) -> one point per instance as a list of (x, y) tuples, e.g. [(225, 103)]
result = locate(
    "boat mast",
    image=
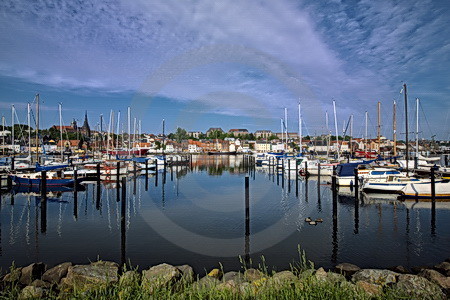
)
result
[(379, 128), (118, 130), (300, 128), (134, 133), (129, 129), (351, 135), (282, 131), (37, 127), (365, 136), (328, 133), (286, 128), (417, 128), (406, 127), (335, 125), (101, 132), (60, 130), (12, 128), (3, 140), (394, 125), (164, 140), (29, 130), (109, 132)]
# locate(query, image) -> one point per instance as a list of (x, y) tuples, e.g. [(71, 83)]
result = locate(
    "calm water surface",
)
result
[(197, 217)]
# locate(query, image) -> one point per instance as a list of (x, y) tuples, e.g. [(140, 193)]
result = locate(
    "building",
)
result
[(212, 130), (85, 129), (291, 135), (264, 134), (238, 132), (195, 134), (263, 146)]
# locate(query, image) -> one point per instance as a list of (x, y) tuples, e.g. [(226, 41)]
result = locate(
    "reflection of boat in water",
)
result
[(50, 189), (34, 179), (222, 153)]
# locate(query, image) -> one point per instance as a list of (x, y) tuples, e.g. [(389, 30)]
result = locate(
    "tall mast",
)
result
[(394, 127), (12, 128), (286, 127), (365, 136), (134, 133), (60, 130), (164, 140), (37, 127), (3, 140), (417, 128), (406, 131), (300, 128), (335, 125), (29, 129), (351, 135), (282, 131), (101, 133), (379, 127), (109, 132), (129, 129), (118, 129), (328, 133)]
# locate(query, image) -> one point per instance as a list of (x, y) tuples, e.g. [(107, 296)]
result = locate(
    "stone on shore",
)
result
[(32, 272), (282, 279), (216, 273), (95, 275), (160, 276), (418, 287), (252, 275), (376, 276), (346, 269), (42, 284), (330, 277), (233, 276), (444, 268), (370, 288), (31, 292), (13, 276), (400, 270), (206, 282), (437, 278), (187, 274), (130, 279), (55, 274)]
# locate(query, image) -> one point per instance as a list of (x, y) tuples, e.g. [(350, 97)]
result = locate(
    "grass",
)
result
[(307, 287)]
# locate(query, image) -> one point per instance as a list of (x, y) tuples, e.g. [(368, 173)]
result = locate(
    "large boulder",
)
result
[(370, 289), (254, 275), (93, 276), (434, 276), (32, 292), (400, 270), (376, 276), (233, 276), (160, 276), (32, 272), (281, 279), (330, 277), (187, 274), (206, 282), (444, 268), (418, 287), (346, 269), (55, 274), (13, 276)]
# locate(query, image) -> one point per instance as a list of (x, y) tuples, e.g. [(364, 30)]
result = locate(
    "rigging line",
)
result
[(426, 119)]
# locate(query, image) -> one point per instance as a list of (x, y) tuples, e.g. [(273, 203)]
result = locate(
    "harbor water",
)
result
[(196, 215)]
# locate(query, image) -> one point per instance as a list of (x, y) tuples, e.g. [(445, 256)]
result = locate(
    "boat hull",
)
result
[(37, 181)]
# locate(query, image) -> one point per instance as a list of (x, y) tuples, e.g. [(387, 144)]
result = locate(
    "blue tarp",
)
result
[(40, 168)]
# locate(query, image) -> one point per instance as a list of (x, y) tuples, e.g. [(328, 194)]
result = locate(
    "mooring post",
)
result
[(356, 183), (433, 185), (118, 172), (306, 170), (43, 183), (446, 159), (318, 174), (416, 162), (12, 163), (9, 182), (124, 188), (247, 219), (156, 173), (333, 179)]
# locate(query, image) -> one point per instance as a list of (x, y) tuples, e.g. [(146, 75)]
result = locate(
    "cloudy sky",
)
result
[(230, 64)]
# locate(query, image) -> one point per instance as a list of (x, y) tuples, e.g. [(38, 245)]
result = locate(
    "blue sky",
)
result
[(229, 64)]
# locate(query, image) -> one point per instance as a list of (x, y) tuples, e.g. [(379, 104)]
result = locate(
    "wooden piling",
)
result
[(356, 183), (433, 185)]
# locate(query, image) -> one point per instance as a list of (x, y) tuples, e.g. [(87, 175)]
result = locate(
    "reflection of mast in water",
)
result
[(123, 228), (108, 209), (408, 243), (335, 227), (356, 230), (433, 218), (86, 200), (44, 213), (27, 227), (247, 221), (163, 190), (319, 202)]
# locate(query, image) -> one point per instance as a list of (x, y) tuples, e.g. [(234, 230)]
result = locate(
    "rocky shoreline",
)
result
[(39, 281)]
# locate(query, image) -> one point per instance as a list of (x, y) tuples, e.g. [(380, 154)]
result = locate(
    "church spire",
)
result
[(86, 129)]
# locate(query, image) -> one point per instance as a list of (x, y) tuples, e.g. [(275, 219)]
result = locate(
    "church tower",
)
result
[(85, 129)]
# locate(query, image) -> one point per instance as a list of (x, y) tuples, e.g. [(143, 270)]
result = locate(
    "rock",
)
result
[(437, 278), (346, 269), (370, 288), (399, 269), (234, 276), (253, 275), (187, 274), (320, 274), (216, 273), (42, 284), (229, 285), (418, 269), (95, 275), (32, 272), (443, 267), (206, 282), (13, 276), (418, 287), (160, 276), (31, 292), (376, 276), (281, 279), (335, 277), (130, 279), (55, 274)]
